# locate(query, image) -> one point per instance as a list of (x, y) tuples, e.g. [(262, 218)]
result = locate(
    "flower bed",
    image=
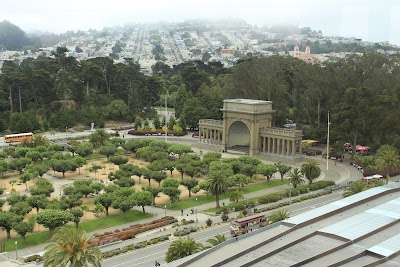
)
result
[(130, 232), (140, 245)]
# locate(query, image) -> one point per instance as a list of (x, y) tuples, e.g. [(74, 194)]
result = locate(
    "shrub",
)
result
[(303, 189), (238, 206), (33, 258), (245, 212), (224, 217), (209, 222), (263, 200)]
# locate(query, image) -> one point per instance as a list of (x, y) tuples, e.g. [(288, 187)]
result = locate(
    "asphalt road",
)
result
[(148, 255)]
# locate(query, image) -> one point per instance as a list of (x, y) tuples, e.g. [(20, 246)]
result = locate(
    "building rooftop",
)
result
[(356, 231)]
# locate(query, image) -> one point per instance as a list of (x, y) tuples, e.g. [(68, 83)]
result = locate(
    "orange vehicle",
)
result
[(20, 137), (247, 224)]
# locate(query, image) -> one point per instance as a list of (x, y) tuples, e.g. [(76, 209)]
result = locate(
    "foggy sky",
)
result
[(372, 20)]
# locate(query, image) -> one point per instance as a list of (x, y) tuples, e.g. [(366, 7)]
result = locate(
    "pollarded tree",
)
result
[(21, 208), (3, 167), (189, 184), (123, 199), (7, 220), (179, 149), (24, 178), (94, 168), (311, 170), (52, 219), (108, 150), (77, 215), (267, 170), (79, 161), (125, 182), (19, 164), (282, 169), (235, 196), (239, 180), (25, 227), (154, 192), (181, 248), (42, 187), (63, 166), (70, 247), (40, 169), (37, 201), (143, 198), (84, 149), (119, 160), (106, 200), (295, 177)]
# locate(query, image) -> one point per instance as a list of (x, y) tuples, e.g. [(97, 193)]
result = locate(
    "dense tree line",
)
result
[(360, 93)]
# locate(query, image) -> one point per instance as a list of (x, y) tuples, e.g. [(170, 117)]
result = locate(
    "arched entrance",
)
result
[(238, 137)]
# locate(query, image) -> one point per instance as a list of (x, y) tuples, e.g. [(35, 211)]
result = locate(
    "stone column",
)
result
[(273, 145), (278, 149), (288, 148), (293, 148), (264, 140)]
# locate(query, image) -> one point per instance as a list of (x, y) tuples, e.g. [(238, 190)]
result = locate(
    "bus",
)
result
[(247, 224), (20, 137), (368, 179)]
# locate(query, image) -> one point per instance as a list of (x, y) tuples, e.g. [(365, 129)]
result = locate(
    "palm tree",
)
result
[(311, 170), (387, 159), (295, 177), (279, 215), (181, 248), (355, 188), (216, 184), (70, 247), (216, 240)]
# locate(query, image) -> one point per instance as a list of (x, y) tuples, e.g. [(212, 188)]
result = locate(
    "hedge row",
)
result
[(274, 197), (140, 245), (185, 231), (130, 232)]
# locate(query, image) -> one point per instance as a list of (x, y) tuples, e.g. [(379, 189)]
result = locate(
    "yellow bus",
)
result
[(19, 137)]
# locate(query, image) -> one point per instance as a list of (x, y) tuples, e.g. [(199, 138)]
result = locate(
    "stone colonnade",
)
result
[(279, 141), (210, 132)]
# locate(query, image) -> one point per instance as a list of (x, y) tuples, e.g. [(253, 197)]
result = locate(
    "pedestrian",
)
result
[(157, 264), (123, 136), (181, 212)]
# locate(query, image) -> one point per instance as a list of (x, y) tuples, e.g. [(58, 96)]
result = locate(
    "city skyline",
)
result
[(366, 19)]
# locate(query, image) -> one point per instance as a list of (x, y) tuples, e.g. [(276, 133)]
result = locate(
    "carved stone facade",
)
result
[(248, 123)]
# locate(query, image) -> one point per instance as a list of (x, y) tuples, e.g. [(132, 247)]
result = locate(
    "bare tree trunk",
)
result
[(87, 88), (20, 101), (318, 108), (11, 101)]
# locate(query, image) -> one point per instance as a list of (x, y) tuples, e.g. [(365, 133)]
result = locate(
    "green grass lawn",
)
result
[(89, 226), (191, 202)]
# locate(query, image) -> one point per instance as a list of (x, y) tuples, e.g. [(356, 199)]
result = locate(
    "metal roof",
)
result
[(348, 201), (387, 247), (366, 222)]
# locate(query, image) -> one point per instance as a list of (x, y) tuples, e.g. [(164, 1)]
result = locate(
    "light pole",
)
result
[(16, 250), (66, 136), (166, 113), (290, 193), (196, 212), (165, 210), (327, 146)]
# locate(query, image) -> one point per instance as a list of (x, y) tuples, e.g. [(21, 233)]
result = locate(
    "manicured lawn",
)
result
[(90, 226), (191, 202)]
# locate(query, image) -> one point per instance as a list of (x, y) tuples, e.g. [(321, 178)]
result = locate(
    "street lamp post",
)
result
[(327, 146), (166, 113), (165, 210), (196, 213), (16, 250), (66, 136)]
